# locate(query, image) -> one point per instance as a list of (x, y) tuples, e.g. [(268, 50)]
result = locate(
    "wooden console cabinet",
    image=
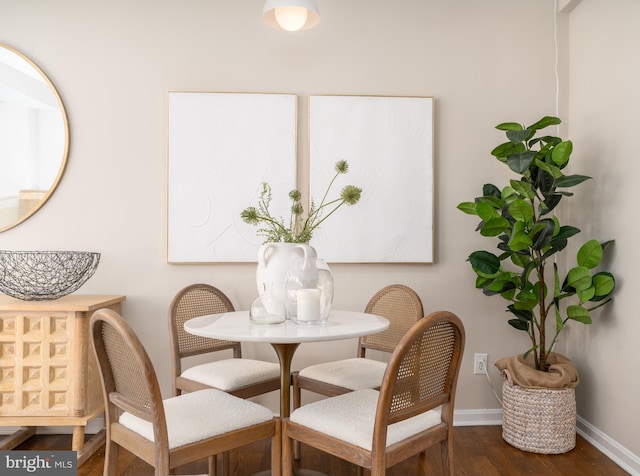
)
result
[(48, 374)]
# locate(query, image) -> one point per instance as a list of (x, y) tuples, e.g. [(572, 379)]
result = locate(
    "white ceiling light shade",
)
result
[(291, 15)]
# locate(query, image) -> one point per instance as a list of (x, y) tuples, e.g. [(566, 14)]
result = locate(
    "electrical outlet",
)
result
[(480, 364)]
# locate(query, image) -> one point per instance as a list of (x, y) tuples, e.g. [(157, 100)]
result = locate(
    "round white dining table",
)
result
[(285, 337)]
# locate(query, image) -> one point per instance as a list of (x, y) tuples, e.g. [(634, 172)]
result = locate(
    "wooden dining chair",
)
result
[(412, 411), (398, 303), (238, 376), (172, 432)]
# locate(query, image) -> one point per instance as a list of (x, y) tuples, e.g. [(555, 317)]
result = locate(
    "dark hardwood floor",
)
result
[(479, 451)]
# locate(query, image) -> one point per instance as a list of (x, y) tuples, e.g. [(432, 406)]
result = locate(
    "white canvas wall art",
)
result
[(388, 143), (221, 147)]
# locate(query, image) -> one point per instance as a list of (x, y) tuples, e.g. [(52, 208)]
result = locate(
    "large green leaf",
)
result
[(525, 301), (520, 163), (520, 239), (521, 260), (555, 246), (518, 324), (606, 244), (490, 190), (509, 126), (571, 180), (586, 294), (520, 136), (485, 262), (536, 291), (550, 202), (521, 210), (524, 276), (523, 318), (604, 284), (546, 223), (486, 211), (519, 242), (523, 188), (546, 141), (562, 152), (552, 170), (509, 293), (542, 180), (482, 281), (578, 313), (504, 246), (590, 254), (501, 283), (544, 153), (545, 122), (508, 148), (507, 193), (467, 207), (495, 202), (522, 314), (565, 232), (543, 234), (494, 226), (579, 278)]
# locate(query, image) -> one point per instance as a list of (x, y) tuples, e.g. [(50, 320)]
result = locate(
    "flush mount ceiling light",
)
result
[(291, 15)]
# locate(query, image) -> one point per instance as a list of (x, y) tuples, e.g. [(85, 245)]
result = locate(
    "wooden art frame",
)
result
[(221, 147), (388, 143)]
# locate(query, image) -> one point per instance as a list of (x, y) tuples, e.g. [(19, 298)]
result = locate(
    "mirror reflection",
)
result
[(34, 138)]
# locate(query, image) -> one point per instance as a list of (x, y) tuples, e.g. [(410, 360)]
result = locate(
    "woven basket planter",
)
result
[(538, 420)]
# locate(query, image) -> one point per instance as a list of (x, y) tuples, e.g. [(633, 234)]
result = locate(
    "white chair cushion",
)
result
[(350, 417), (354, 374), (199, 415), (230, 374)]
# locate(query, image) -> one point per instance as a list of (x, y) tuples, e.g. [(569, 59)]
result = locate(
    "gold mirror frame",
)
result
[(28, 201)]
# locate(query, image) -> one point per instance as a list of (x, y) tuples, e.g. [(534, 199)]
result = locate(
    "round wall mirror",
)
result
[(34, 138)]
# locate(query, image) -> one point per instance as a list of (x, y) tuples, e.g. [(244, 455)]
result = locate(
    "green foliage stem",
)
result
[(299, 229)]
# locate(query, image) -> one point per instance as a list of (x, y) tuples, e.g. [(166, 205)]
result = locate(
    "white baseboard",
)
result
[(614, 450), (487, 416)]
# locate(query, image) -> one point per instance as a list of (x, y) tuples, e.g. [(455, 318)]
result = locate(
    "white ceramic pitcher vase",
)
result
[(276, 260)]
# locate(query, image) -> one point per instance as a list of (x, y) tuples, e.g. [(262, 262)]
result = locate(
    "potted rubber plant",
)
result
[(523, 269)]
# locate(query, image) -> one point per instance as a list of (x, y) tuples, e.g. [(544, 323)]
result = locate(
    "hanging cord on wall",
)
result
[(493, 389), (555, 44), (555, 66)]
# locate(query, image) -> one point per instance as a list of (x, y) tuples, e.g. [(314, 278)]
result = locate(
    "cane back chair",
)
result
[(398, 303), (377, 429), (238, 376), (172, 432)]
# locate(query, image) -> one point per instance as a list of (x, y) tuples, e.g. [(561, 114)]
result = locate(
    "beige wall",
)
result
[(604, 124), (484, 62)]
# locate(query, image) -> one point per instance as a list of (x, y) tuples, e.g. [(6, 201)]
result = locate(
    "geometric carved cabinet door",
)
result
[(48, 374), (37, 363)]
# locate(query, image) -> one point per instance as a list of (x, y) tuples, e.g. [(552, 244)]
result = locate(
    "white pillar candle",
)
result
[(308, 306)]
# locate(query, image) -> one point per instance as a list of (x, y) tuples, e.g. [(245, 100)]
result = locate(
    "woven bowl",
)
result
[(45, 275)]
